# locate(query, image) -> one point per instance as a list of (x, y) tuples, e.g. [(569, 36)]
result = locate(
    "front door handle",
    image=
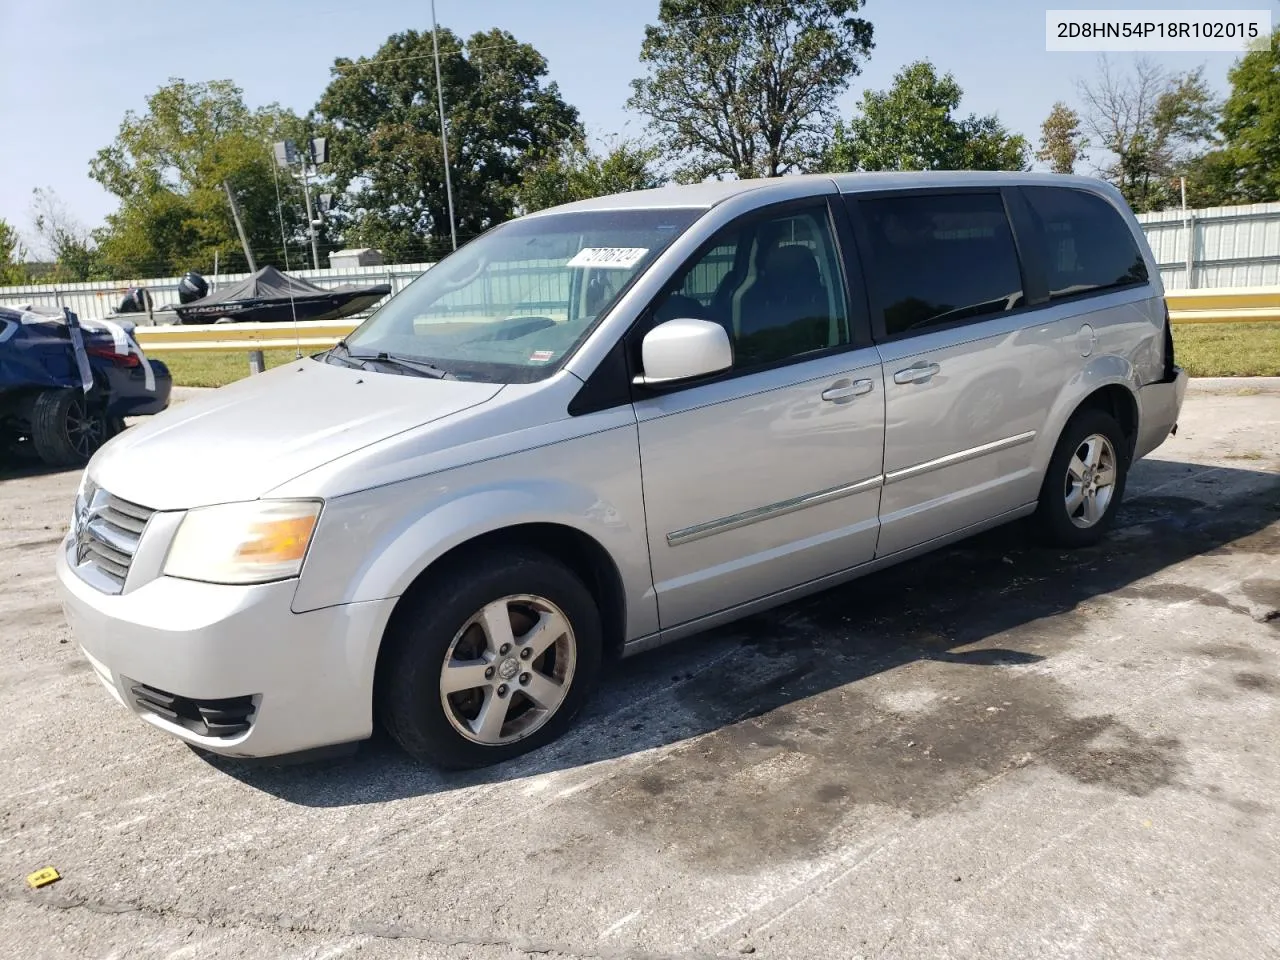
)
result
[(917, 373), (846, 391)]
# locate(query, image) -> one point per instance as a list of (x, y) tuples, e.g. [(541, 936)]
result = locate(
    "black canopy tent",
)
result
[(270, 296)]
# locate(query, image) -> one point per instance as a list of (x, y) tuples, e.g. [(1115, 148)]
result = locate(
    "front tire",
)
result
[(1085, 481), (491, 660)]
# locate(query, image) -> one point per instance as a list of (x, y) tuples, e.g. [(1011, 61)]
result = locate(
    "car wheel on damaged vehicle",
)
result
[(490, 660), (1085, 480), (67, 428)]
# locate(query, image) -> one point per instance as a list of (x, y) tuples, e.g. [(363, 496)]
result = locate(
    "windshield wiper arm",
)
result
[(417, 366), (342, 354)]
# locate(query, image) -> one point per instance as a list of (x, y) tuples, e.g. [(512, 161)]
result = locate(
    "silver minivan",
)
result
[(606, 426)]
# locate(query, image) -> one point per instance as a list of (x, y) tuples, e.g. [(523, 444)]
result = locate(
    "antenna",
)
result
[(284, 243)]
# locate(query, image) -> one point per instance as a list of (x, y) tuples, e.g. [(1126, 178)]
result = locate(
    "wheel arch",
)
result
[(585, 556), (1107, 384)]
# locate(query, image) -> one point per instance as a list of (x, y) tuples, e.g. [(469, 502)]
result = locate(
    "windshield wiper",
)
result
[(342, 354), (404, 363)]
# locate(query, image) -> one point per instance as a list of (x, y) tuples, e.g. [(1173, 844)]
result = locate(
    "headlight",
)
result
[(250, 542)]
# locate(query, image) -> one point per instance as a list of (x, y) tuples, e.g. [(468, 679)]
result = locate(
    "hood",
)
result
[(241, 441)]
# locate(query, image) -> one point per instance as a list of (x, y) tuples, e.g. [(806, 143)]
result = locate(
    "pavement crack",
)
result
[(225, 919)]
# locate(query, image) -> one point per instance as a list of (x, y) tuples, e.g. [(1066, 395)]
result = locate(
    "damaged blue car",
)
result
[(67, 385)]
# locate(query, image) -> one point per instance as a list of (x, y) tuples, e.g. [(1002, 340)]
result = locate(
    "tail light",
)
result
[(103, 352), (1168, 346)]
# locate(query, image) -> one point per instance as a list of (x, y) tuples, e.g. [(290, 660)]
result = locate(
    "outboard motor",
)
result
[(191, 287), (136, 300)]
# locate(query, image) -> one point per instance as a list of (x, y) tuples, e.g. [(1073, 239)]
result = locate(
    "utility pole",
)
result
[(235, 213), (444, 133)]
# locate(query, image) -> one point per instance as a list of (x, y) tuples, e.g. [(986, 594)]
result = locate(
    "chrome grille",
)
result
[(107, 530)]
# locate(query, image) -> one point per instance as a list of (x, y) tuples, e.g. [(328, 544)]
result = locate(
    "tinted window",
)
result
[(772, 282), (936, 259), (1087, 244)]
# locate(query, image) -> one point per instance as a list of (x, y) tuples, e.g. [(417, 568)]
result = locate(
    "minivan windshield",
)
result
[(514, 302)]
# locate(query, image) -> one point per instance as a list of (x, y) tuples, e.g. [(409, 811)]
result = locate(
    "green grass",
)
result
[(213, 368), (1203, 349), (1228, 349)]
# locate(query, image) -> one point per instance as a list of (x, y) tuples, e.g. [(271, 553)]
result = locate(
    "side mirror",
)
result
[(683, 349)]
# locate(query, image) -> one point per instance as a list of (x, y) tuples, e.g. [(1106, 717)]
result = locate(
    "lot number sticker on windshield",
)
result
[(610, 258)]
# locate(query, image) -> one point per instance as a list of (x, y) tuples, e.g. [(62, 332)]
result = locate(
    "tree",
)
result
[(1247, 167), (576, 172), (912, 126), (748, 87), (71, 247), (12, 256), (1061, 142), (381, 113), (168, 167), (1153, 125)]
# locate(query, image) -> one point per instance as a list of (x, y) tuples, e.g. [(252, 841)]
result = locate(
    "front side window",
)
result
[(513, 303), (773, 282), (937, 259), (1087, 245)]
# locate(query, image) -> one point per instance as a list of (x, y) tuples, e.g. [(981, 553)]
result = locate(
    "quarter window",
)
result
[(774, 284), (1087, 245), (940, 259)]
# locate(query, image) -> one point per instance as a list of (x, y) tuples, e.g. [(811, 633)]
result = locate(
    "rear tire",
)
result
[(453, 692), (1085, 481), (67, 429)]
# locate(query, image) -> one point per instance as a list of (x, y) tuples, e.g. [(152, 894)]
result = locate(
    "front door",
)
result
[(768, 476)]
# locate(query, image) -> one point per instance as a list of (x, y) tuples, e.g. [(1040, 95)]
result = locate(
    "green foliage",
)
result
[(75, 255), (381, 115), (13, 269), (168, 165), (576, 172), (1061, 142), (912, 126), (1154, 126), (748, 87), (1246, 169)]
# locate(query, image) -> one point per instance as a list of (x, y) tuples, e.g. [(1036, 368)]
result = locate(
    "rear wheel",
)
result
[(1085, 480), (67, 429), (489, 661)]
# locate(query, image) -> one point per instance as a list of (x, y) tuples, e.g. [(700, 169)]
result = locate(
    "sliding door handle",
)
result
[(917, 373), (846, 391)]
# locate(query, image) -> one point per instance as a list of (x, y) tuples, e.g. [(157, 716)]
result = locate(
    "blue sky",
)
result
[(71, 68)]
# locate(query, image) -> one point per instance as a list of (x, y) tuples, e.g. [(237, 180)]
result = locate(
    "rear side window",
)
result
[(938, 259), (1087, 244)]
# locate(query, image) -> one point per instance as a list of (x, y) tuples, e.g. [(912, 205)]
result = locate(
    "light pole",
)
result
[(444, 133), (311, 219), (317, 152)]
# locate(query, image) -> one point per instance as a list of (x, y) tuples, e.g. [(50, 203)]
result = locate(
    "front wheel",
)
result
[(1085, 481), (489, 661)]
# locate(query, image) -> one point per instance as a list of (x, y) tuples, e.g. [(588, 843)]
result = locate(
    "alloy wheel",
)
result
[(1090, 482), (508, 670)]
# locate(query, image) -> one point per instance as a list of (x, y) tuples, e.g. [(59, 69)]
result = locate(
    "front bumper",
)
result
[(310, 675), (1159, 405)]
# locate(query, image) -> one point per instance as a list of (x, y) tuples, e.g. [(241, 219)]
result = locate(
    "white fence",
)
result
[(1229, 247), (95, 300)]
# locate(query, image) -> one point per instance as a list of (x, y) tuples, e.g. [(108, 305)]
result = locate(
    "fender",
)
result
[(402, 531), (1098, 372)]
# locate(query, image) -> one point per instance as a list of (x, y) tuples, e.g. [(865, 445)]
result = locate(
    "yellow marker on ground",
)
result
[(42, 878)]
